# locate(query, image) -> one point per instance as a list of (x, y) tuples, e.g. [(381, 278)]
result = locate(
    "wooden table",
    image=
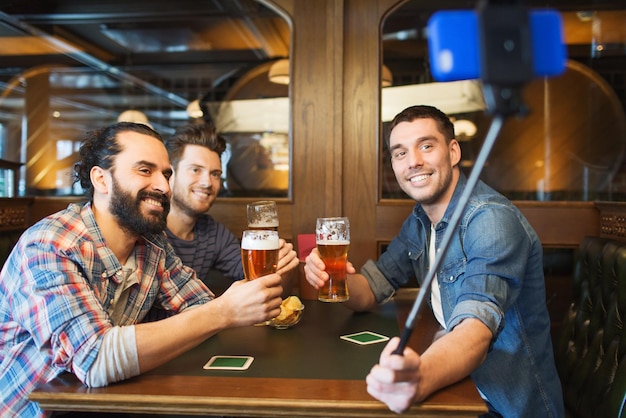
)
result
[(305, 371)]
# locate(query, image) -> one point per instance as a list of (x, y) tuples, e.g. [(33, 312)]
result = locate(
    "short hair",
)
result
[(99, 147), (202, 134), (445, 125)]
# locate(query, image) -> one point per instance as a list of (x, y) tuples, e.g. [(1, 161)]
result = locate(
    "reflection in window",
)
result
[(154, 67), (257, 165), (64, 148), (572, 144), (6, 182), (256, 133)]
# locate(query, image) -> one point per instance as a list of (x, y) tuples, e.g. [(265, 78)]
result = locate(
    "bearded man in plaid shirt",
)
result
[(77, 290)]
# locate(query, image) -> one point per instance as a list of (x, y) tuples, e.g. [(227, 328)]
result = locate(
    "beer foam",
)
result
[(254, 243), (333, 242), (264, 224)]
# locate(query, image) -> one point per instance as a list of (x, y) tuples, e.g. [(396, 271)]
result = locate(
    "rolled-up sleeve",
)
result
[(380, 286)]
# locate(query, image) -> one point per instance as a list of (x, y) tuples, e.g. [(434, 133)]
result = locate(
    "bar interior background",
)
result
[(314, 142)]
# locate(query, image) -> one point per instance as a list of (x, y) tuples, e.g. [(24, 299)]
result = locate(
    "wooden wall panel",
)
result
[(361, 123), (44, 206), (316, 111), (561, 224), (14, 213)]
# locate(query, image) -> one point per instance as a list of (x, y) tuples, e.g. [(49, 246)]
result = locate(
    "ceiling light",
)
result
[(585, 16), (464, 129), (193, 109), (134, 116), (279, 72)]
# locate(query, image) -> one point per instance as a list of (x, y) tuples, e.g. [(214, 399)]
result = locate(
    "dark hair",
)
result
[(446, 127), (202, 134), (100, 146)]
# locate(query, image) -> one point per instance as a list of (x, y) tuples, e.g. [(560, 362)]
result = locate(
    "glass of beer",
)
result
[(263, 215), (333, 241), (259, 253)]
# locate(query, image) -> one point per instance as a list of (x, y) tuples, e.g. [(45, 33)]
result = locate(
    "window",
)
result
[(572, 144), (71, 66)]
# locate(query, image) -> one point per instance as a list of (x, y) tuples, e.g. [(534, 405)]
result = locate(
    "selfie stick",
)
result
[(505, 63)]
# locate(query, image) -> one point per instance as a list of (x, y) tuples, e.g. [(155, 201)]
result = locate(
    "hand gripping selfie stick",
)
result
[(504, 45)]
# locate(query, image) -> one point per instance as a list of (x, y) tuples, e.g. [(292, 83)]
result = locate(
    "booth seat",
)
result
[(590, 350)]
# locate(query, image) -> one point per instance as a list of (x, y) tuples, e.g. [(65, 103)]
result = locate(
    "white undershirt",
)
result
[(435, 294), (120, 299), (117, 358)]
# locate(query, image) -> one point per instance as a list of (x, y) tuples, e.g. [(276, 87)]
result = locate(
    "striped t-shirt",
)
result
[(213, 247)]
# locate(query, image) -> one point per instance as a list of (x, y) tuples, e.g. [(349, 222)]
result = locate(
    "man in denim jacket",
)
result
[(488, 296)]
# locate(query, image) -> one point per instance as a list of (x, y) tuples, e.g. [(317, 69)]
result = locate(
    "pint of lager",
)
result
[(333, 241), (259, 253)]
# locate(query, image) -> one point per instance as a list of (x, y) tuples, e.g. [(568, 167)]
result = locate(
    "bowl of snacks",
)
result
[(290, 313)]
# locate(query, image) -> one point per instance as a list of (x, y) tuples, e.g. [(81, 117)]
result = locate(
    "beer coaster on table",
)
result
[(228, 363), (364, 338)]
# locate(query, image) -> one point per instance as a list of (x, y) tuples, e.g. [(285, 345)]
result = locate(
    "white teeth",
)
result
[(154, 202), (201, 193), (419, 178)]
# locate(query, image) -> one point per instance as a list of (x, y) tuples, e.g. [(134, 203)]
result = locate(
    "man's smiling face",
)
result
[(423, 161), (196, 180), (140, 193)]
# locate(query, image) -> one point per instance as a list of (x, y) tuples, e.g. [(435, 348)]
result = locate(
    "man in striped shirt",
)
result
[(201, 242), (77, 288)]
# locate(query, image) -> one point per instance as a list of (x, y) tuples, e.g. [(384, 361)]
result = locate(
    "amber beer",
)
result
[(335, 255), (333, 239), (259, 253)]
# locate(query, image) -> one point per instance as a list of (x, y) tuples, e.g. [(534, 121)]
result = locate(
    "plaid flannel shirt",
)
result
[(55, 290)]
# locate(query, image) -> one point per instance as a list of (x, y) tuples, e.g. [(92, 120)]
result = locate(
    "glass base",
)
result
[(333, 299)]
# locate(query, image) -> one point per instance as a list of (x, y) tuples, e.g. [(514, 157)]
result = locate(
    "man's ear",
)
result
[(455, 152), (100, 179)]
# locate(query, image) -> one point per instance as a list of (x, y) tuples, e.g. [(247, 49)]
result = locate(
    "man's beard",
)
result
[(127, 211)]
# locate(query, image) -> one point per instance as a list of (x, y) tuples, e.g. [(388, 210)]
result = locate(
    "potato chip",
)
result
[(290, 312)]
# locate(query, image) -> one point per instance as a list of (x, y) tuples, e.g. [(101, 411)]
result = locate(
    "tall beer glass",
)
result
[(263, 215), (259, 253), (333, 241)]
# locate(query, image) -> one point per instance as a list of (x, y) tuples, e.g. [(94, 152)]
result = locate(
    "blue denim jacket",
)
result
[(492, 271)]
